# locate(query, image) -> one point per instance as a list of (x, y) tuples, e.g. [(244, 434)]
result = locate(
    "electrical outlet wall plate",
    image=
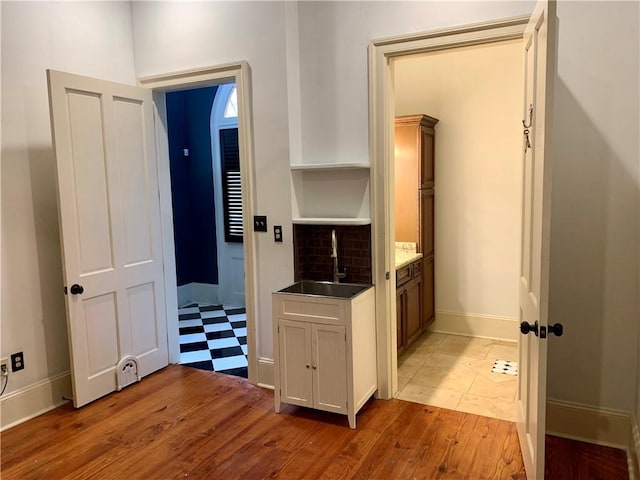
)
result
[(17, 361), (4, 366)]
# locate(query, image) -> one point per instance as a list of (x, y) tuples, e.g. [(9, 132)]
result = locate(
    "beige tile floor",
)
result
[(454, 372)]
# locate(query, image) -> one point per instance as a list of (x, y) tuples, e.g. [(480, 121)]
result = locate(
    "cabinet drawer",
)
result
[(403, 275), (417, 269)]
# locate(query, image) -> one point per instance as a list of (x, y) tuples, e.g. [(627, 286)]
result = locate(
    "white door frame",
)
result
[(381, 135), (240, 73)]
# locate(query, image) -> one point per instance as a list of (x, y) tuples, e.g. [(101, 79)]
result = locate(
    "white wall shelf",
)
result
[(330, 194), (329, 166), (331, 221)]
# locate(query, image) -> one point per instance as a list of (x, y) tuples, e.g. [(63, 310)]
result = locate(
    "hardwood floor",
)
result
[(572, 460), (188, 423)]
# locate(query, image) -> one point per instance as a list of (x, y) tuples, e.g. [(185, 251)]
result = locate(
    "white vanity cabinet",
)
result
[(324, 351)]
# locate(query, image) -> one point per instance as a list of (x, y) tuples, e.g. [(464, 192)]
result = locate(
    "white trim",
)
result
[(381, 114), (166, 225), (597, 425), (602, 426), (266, 373), (633, 454), (240, 73), (476, 325), (29, 402), (200, 293)]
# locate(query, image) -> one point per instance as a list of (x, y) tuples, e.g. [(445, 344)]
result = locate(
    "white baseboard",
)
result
[(265, 373), (601, 426), (476, 325), (194, 292), (34, 400)]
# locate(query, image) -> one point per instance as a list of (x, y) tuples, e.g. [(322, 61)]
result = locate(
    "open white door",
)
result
[(539, 49), (110, 229)]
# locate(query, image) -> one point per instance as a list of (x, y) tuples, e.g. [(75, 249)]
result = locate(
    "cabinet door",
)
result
[(329, 367), (427, 153), (426, 221), (400, 318), (295, 363), (414, 313), (428, 293)]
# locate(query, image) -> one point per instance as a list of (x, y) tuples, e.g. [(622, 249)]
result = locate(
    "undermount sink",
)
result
[(325, 289)]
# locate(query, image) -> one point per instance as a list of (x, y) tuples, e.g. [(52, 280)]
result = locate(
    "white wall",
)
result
[(595, 216), (476, 93), (172, 36), (594, 232), (86, 38), (333, 63)]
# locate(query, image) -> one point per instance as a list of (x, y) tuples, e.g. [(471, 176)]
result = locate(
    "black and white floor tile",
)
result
[(506, 367), (214, 337)]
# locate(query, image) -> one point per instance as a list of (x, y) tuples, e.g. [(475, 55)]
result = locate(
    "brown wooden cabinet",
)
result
[(410, 324), (415, 201)]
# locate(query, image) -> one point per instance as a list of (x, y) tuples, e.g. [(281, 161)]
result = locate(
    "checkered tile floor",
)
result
[(214, 338)]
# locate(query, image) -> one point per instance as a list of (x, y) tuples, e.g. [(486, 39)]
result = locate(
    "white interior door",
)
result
[(539, 49), (110, 229)]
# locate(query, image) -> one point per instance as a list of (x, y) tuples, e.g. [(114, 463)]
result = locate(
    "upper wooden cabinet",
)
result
[(414, 145), (415, 180)]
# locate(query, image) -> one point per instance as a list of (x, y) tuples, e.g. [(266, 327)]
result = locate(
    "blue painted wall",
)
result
[(189, 114)]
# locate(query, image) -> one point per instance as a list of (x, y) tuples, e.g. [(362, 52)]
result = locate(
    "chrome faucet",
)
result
[(337, 275)]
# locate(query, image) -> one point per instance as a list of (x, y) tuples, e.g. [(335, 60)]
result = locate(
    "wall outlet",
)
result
[(17, 362), (4, 367)]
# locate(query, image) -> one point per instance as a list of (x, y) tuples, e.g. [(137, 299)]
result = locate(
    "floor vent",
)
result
[(127, 372)]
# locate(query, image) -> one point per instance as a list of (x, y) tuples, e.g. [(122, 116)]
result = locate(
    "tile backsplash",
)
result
[(312, 252)]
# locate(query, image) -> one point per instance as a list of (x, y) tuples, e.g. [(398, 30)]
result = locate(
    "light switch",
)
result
[(259, 223)]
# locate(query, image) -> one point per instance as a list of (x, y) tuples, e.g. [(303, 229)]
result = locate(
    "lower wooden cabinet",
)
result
[(409, 310), (414, 310), (428, 292)]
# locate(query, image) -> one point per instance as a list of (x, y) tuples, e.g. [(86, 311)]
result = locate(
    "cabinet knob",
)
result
[(314, 367), (307, 366)]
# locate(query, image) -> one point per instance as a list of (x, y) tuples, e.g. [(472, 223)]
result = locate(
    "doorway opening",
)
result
[(467, 102), (213, 77), (381, 55), (208, 230)]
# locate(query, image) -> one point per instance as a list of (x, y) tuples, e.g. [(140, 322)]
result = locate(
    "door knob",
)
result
[(557, 329), (526, 327), (76, 289)]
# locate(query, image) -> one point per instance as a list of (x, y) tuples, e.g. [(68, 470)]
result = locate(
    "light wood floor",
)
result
[(188, 423)]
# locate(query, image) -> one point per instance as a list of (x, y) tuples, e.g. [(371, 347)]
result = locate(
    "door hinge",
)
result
[(65, 290), (387, 276)]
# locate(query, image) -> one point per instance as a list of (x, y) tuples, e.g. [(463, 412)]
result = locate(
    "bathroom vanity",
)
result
[(325, 346)]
